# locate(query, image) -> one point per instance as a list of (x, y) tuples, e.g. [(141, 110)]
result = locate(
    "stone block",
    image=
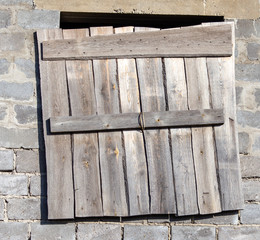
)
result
[(43, 231), (27, 161), (257, 27), (6, 160), (250, 214), (13, 231), (16, 91), (244, 28), (99, 231), (25, 114), (239, 91), (251, 190), (38, 186), (17, 138), (143, 232), (24, 209), (12, 41), (3, 112), (250, 166), (5, 18), (237, 233), (256, 143), (16, 2), (253, 51), (27, 66), (193, 232), (248, 72), (257, 96), (13, 185), (4, 66), (247, 118), (38, 19), (2, 207), (243, 139), (221, 218)]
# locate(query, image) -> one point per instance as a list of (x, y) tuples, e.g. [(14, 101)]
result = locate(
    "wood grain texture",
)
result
[(136, 165), (182, 156), (184, 42), (160, 170), (58, 148), (202, 138), (85, 146), (110, 144)]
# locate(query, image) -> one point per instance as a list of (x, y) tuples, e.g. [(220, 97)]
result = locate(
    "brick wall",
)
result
[(22, 168)]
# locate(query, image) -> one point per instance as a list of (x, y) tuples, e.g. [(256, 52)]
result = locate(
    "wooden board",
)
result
[(184, 42), (136, 165), (124, 121), (58, 147), (160, 170), (183, 164), (110, 144), (85, 146)]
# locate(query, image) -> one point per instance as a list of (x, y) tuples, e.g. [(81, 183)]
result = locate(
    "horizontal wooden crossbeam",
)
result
[(184, 42), (130, 121)]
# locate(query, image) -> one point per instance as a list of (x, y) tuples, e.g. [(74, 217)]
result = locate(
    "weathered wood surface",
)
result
[(110, 144), (85, 146), (136, 165), (182, 156), (58, 148), (160, 170), (127, 121), (202, 138), (184, 42)]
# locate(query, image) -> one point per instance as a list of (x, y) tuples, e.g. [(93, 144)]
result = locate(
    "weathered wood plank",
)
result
[(110, 144), (202, 138), (58, 148), (184, 42), (162, 195), (128, 121), (182, 156), (136, 165), (85, 146)]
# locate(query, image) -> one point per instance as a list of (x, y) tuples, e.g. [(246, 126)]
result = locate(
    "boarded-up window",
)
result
[(166, 98)]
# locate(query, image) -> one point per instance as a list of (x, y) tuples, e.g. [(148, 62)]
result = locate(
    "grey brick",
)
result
[(17, 138), (27, 161), (257, 27), (256, 143), (251, 190), (3, 112), (250, 166), (221, 218), (2, 209), (250, 214), (17, 91), (12, 41), (24, 209), (13, 185), (5, 18), (246, 118), (239, 233), (38, 186), (193, 233), (52, 231), (4, 66), (36, 19), (16, 2), (6, 160), (257, 96), (248, 72), (13, 231), (99, 231), (253, 51), (132, 232), (27, 66), (243, 138), (25, 114), (245, 28), (239, 91)]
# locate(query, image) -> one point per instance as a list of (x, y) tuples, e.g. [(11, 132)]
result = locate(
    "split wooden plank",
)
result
[(150, 74), (202, 138), (132, 120), (58, 148), (110, 144), (136, 165), (85, 146), (182, 156), (184, 42)]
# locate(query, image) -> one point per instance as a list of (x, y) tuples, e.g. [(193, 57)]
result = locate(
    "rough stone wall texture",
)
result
[(23, 207)]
